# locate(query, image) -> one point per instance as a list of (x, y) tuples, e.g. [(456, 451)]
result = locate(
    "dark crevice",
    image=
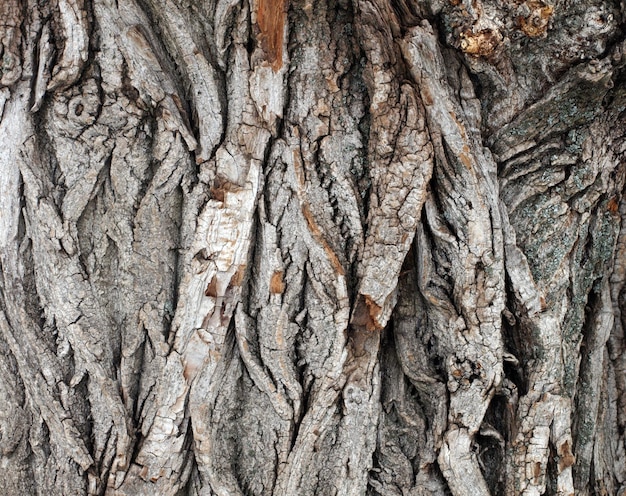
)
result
[(491, 452), (517, 340)]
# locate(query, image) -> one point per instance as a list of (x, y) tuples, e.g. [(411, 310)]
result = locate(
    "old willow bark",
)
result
[(272, 247)]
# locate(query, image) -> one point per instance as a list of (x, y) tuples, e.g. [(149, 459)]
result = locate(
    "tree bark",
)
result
[(271, 247)]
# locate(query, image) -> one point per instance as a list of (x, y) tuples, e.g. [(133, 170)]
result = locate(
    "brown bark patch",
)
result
[(317, 234), (481, 44), (188, 372), (211, 289), (362, 343), (144, 473), (466, 160), (271, 22), (277, 284), (536, 24), (238, 276), (221, 187), (427, 97), (566, 459), (365, 314), (137, 34)]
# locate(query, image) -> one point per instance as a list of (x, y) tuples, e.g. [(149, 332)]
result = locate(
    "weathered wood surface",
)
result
[(296, 247)]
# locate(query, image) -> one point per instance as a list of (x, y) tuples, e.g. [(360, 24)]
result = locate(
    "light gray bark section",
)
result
[(277, 248)]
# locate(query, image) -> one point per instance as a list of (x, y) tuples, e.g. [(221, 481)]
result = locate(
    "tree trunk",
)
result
[(293, 248)]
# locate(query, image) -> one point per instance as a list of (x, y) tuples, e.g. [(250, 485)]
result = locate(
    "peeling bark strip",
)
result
[(280, 248), (270, 17)]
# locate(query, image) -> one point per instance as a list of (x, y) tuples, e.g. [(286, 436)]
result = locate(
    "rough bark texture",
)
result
[(272, 247)]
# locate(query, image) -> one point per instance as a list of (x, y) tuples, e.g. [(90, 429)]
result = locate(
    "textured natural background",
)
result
[(293, 248)]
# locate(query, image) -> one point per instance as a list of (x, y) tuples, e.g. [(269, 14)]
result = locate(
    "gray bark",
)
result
[(368, 247)]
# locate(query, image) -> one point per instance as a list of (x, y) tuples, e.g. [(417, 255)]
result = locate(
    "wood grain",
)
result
[(271, 22)]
